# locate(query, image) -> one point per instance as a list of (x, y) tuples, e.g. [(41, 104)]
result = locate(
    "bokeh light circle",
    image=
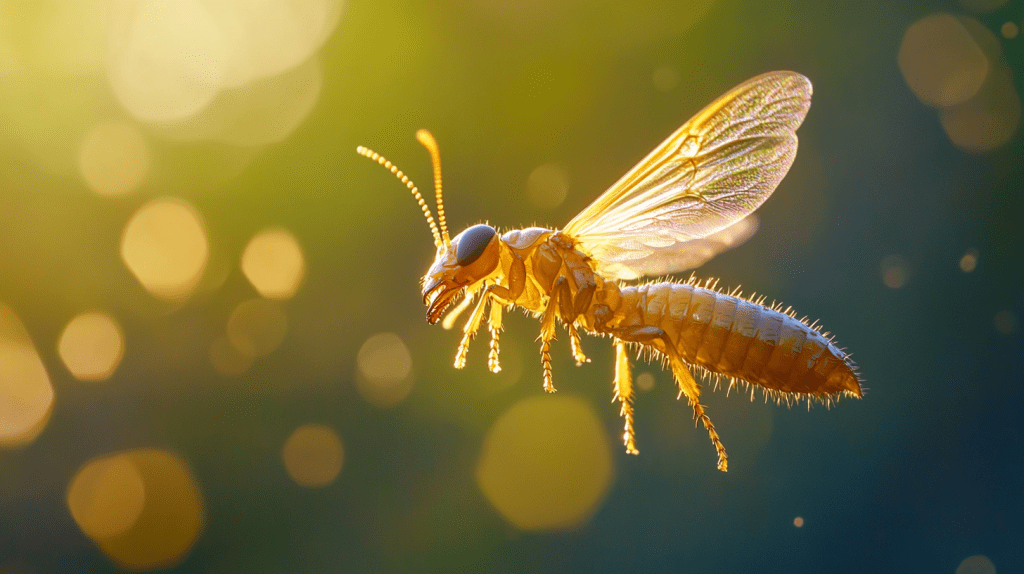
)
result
[(969, 261), (941, 61), (976, 565), (168, 60), (104, 499), (272, 261), (313, 455), (547, 185), (26, 394), (895, 271), (226, 359), (989, 119), (256, 327), (113, 158), (106, 496), (384, 367), (164, 245), (546, 463), (91, 346)]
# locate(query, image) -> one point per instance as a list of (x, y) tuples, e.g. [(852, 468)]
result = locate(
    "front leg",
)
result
[(494, 325), (547, 328), (471, 327)]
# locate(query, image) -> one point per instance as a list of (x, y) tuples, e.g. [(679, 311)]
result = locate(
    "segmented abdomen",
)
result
[(743, 339)]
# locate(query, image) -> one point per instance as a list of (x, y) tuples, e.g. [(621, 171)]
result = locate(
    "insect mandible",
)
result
[(688, 200)]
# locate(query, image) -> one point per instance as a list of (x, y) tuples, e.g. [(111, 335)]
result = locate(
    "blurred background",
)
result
[(213, 352)]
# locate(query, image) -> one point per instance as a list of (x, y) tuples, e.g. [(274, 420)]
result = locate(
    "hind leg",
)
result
[(689, 387), (647, 336)]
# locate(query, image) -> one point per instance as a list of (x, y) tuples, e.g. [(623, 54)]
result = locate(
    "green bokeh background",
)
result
[(922, 473)]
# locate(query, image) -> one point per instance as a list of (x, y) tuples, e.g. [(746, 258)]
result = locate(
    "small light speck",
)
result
[(645, 381), (1006, 322), (895, 271), (969, 262), (798, 522)]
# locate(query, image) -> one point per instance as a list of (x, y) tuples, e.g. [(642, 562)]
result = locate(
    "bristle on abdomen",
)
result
[(746, 341)]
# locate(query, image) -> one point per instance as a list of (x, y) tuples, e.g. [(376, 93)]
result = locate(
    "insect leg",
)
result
[(624, 394), (684, 379), (547, 333), (574, 344), (689, 387), (470, 328), (494, 325), (453, 315)]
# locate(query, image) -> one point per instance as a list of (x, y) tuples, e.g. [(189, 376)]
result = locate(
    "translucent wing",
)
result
[(686, 255), (711, 173)]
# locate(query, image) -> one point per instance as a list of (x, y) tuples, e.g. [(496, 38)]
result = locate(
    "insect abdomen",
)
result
[(746, 340)]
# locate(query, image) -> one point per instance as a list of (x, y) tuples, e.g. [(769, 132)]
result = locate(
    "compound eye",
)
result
[(472, 243)]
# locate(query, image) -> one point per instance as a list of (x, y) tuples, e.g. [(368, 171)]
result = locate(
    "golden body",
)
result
[(681, 205)]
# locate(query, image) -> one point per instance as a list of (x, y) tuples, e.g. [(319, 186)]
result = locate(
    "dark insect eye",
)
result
[(472, 243)]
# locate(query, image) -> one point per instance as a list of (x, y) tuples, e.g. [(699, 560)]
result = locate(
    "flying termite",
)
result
[(688, 200)]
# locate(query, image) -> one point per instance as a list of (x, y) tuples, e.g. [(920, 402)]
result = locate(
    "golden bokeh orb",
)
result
[(272, 261), (546, 463), (226, 359), (113, 158), (384, 370), (164, 245), (313, 455), (106, 496), (256, 327), (26, 394), (976, 565), (142, 507), (895, 271), (969, 261), (941, 61), (91, 346), (548, 185)]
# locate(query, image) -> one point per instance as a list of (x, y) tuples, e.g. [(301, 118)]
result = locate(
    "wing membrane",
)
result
[(708, 175)]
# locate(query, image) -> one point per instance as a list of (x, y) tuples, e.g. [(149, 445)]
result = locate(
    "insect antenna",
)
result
[(427, 140), (369, 153)]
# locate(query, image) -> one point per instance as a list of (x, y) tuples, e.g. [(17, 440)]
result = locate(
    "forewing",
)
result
[(712, 172)]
